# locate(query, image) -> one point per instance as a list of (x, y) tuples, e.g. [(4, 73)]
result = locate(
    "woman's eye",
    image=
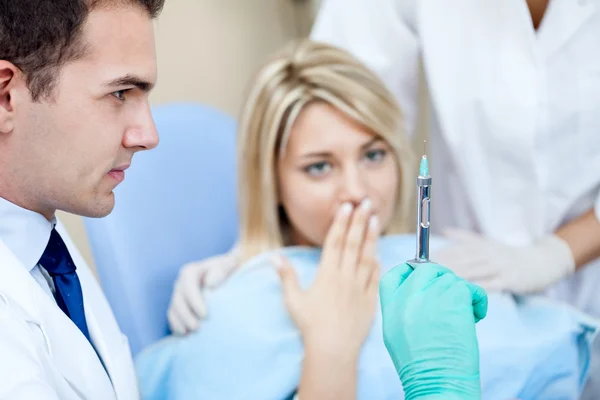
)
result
[(376, 155), (318, 169)]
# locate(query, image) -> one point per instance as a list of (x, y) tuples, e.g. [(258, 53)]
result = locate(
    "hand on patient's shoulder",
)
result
[(429, 317), (499, 267), (187, 307)]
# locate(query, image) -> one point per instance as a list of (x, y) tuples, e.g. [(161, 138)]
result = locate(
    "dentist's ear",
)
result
[(9, 74)]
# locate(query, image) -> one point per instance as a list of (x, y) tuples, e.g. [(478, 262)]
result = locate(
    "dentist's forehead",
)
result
[(120, 40)]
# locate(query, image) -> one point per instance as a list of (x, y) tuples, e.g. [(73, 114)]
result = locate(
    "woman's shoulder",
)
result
[(228, 258)]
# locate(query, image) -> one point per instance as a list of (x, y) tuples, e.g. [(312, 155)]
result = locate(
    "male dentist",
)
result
[(74, 82)]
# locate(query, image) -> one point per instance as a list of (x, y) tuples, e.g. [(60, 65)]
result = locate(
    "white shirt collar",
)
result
[(25, 232)]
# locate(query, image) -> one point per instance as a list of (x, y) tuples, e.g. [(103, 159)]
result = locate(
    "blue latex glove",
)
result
[(429, 317)]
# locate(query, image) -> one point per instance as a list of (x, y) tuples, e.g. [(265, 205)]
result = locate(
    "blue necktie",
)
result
[(57, 261)]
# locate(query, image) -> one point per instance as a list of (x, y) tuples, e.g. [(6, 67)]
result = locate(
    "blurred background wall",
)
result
[(207, 52)]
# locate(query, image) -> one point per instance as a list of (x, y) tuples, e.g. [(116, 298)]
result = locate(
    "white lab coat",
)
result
[(43, 355), (515, 130)]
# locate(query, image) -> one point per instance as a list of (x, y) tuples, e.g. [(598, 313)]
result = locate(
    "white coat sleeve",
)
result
[(21, 374), (382, 34)]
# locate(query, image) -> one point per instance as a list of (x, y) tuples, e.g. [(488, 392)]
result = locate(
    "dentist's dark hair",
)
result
[(40, 36)]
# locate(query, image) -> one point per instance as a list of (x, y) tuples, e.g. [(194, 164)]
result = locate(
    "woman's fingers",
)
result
[(289, 282), (373, 282), (334, 241), (368, 255), (355, 238)]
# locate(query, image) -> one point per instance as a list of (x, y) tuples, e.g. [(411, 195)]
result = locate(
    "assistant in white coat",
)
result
[(514, 88)]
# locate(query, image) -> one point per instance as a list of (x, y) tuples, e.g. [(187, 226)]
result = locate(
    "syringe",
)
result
[(423, 212)]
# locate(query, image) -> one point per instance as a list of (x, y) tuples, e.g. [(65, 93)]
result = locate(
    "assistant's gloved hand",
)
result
[(497, 267), (429, 317), (187, 307)]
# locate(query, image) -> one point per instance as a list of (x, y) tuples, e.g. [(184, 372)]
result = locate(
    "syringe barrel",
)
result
[(423, 218)]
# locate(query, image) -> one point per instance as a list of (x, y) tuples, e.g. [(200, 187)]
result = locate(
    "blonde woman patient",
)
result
[(319, 136)]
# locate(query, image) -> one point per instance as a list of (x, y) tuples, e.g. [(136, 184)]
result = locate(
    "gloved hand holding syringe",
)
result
[(429, 317)]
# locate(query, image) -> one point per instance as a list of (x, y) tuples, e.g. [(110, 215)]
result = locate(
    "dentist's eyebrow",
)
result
[(131, 80)]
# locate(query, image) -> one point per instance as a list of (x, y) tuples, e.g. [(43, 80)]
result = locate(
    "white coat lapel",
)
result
[(108, 340), (68, 350), (564, 19)]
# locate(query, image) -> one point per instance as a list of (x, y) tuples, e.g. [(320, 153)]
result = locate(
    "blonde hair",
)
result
[(306, 72)]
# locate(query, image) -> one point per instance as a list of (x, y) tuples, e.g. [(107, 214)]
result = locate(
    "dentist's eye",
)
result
[(120, 94)]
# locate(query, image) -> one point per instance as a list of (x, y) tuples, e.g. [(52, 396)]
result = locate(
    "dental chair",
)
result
[(177, 204)]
